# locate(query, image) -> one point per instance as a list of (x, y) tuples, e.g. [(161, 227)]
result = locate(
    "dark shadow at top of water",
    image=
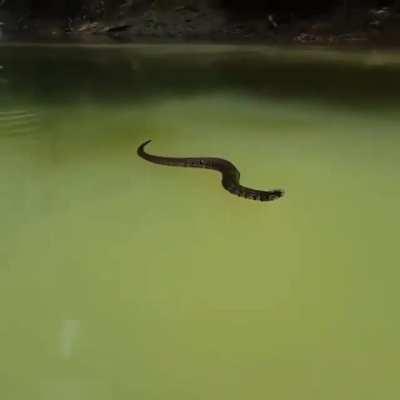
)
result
[(114, 75)]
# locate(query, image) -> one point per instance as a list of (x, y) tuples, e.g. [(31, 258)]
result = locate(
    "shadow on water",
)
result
[(62, 74)]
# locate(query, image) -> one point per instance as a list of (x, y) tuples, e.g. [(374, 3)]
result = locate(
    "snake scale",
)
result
[(230, 174)]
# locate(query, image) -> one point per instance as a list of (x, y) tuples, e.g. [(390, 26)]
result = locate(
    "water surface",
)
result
[(122, 279)]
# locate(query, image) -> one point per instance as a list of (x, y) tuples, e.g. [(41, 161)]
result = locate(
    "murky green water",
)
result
[(120, 279)]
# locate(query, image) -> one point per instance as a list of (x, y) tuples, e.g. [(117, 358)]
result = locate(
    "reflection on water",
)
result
[(69, 334), (122, 279)]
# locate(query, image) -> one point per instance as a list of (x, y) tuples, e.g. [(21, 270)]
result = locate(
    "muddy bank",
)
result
[(362, 27)]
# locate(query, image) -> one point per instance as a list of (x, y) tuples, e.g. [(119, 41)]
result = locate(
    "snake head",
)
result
[(274, 194)]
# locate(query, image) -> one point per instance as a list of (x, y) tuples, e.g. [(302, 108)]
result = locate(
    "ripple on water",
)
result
[(18, 122)]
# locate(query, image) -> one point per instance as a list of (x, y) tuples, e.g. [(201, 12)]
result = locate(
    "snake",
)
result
[(230, 174)]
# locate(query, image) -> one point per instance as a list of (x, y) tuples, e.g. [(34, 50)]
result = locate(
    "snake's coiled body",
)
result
[(230, 174)]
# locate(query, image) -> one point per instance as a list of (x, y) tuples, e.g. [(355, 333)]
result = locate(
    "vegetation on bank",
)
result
[(307, 21)]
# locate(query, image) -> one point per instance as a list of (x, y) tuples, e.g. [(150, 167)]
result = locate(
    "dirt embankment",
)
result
[(360, 27)]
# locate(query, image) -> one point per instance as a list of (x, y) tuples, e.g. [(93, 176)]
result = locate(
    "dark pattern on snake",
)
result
[(230, 174)]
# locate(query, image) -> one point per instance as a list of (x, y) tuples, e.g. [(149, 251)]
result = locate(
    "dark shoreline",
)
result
[(365, 29)]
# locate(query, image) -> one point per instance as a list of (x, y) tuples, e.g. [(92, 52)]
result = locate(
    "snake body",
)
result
[(230, 174)]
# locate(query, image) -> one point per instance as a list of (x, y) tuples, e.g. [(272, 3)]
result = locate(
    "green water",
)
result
[(121, 279)]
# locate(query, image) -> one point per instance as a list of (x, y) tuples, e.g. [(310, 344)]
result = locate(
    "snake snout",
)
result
[(275, 194)]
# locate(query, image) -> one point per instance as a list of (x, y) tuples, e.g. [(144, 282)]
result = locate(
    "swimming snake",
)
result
[(230, 174)]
